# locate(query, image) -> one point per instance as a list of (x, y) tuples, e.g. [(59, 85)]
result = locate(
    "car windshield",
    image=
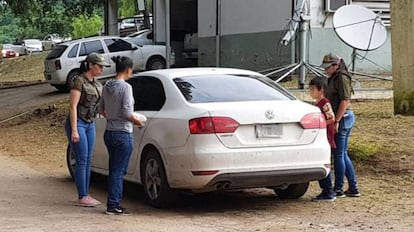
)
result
[(32, 42), (56, 52), (229, 88)]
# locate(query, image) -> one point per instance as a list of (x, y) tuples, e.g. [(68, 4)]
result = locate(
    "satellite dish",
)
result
[(359, 27)]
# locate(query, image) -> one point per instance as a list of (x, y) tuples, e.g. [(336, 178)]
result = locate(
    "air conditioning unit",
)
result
[(333, 5)]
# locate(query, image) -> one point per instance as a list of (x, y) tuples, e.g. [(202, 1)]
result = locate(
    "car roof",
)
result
[(89, 39), (182, 72)]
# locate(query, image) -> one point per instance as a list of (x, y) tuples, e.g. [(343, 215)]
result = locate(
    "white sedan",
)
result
[(218, 129)]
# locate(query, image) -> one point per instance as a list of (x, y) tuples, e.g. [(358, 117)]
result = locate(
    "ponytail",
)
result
[(84, 67), (122, 63)]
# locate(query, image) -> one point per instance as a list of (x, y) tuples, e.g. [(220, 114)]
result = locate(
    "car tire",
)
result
[(61, 88), (156, 63), (71, 161), (156, 188), (293, 191)]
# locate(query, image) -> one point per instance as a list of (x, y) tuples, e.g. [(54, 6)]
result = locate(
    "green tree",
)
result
[(127, 8), (85, 25), (9, 26)]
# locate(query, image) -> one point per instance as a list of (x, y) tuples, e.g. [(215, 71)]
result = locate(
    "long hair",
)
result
[(84, 67), (122, 63), (342, 66)]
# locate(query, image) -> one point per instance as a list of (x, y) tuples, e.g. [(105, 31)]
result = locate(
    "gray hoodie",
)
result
[(118, 105)]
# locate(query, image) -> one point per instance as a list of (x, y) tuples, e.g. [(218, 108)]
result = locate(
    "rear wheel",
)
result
[(293, 191), (71, 161), (61, 88), (156, 63), (157, 191)]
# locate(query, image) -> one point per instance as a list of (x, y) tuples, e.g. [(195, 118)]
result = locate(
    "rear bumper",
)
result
[(54, 78), (247, 167), (263, 179)]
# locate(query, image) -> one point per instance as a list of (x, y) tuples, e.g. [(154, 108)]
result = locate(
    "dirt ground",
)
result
[(36, 190)]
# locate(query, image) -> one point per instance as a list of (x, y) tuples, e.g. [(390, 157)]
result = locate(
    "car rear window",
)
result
[(56, 52), (228, 88)]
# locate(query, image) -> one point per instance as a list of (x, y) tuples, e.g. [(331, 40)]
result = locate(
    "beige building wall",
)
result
[(402, 39)]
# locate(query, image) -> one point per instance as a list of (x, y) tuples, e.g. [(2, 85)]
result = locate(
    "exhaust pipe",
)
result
[(222, 185), (226, 185), (219, 186)]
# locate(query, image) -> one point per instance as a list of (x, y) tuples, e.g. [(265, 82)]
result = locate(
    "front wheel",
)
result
[(156, 188), (71, 161), (293, 191)]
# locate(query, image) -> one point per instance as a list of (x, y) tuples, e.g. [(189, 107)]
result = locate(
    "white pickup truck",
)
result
[(63, 62)]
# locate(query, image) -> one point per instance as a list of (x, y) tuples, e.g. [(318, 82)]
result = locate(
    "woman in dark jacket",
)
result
[(339, 92)]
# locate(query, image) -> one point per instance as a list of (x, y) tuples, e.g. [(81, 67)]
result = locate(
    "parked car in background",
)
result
[(218, 129), (7, 51), (130, 25), (49, 42), (32, 45), (143, 37), (63, 62)]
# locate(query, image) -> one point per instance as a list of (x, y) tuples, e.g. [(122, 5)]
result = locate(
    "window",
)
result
[(91, 46), (56, 52), (72, 53), (333, 5), (228, 88), (148, 93), (380, 7), (117, 45)]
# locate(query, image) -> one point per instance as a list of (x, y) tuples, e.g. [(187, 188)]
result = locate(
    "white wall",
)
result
[(243, 16)]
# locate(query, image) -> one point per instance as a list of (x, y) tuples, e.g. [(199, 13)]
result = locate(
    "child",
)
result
[(317, 87)]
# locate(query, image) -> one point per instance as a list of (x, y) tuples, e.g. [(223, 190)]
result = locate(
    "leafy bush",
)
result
[(84, 26)]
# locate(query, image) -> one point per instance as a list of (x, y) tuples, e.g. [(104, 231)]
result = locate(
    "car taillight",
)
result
[(313, 121), (58, 66), (211, 125)]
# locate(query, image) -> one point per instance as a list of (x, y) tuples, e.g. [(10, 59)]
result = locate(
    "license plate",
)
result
[(269, 131)]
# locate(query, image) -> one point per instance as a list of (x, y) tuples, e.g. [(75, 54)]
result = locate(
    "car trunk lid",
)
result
[(265, 123)]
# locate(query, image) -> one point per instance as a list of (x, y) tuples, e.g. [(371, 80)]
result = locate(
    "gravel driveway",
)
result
[(35, 201)]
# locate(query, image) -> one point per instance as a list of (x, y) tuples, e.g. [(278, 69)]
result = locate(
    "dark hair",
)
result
[(319, 82), (122, 63), (342, 65), (84, 67)]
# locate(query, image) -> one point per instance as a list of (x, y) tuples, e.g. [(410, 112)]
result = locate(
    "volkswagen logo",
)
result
[(269, 114)]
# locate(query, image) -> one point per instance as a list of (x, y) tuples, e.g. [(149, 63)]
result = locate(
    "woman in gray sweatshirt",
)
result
[(117, 105)]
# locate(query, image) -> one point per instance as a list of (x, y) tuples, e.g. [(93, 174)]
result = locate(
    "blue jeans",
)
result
[(326, 183), (83, 153), (342, 163), (119, 145)]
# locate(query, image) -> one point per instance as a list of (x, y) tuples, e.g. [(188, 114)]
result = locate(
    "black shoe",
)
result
[(352, 193), (340, 193), (325, 196), (117, 211)]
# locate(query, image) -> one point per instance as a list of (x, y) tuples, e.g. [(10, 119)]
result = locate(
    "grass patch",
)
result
[(28, 68), (362, 150)]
